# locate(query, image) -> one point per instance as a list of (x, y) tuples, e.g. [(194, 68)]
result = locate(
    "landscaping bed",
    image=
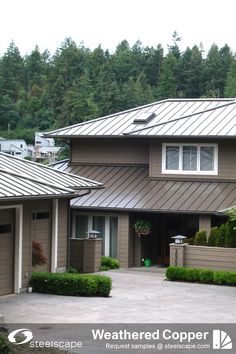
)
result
[(206, 276)]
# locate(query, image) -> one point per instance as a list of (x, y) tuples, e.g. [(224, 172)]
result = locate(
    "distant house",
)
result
[(34, 206), (15, 147), (171, 163), (45, 149)]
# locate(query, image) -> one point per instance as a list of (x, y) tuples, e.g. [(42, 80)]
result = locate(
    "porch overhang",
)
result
[(129, 188)]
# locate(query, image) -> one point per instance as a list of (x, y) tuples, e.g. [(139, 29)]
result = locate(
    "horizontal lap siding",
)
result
[(110, 151), (210, 257), (6, 254), (76, 253), (123, 240)]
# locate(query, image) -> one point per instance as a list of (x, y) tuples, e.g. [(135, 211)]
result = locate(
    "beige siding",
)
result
[(28, 235), (76, 253), (123, 240), (132, 151), (217, 258), (62, 233), (226, 161), (210, 257), (6, 253)]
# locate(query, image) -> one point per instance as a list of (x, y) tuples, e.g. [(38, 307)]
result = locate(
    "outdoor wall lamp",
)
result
[(179, 239), (93, 234)]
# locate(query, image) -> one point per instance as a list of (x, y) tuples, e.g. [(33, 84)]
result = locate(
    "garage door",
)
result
[(6, 251), (41, 232)]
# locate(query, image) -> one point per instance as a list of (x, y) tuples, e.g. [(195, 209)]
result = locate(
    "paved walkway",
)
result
[(139, 295)]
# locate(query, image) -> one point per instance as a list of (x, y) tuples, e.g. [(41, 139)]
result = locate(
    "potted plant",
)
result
[(142, 227)]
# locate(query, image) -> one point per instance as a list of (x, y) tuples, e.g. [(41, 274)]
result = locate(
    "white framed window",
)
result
[(194, 159), (106, 224)]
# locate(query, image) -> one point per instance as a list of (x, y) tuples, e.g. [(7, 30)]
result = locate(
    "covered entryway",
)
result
[(41, 232), (6, 251), (155, 246)]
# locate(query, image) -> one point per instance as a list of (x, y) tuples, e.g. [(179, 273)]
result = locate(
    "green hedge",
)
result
[(207, 276), (109, 263), (71, 284)]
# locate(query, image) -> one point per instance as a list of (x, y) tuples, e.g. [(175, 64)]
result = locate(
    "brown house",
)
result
[(171, 163), (34, 205)]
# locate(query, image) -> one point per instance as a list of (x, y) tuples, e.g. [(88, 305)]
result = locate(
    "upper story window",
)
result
[(199, 159)]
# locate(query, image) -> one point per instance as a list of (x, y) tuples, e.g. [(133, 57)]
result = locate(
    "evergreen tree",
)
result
[(230, 85)]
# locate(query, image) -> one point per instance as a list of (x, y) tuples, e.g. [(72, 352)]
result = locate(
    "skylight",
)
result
[(144, 117)]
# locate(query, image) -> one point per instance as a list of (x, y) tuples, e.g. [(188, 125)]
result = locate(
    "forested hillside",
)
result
[(42, 91)]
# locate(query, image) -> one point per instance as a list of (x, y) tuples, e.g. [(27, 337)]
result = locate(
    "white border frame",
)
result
[(183, 172)]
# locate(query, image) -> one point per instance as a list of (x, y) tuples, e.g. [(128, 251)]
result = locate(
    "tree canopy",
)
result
[(41, 91)]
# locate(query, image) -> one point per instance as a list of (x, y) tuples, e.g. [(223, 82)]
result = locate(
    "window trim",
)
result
[(180, 171)]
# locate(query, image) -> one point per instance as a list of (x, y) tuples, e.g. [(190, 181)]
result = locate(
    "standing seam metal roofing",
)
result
[(177, 117), (43, 174), (130, 188), (22, 178)]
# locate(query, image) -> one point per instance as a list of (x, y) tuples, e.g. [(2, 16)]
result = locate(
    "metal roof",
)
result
[(22, 178), (173, 118), (130, 188)]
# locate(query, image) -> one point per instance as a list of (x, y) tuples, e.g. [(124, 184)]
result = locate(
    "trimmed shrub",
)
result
[(193, 275), (4, 346), (171, 273), (182, 273), (103, 285), (206, 276), (231, 278), (70, 284), (109, 262), (201, 238), (220, 277), (201, 275)]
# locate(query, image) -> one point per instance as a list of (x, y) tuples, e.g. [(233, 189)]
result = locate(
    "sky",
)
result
[(47, 23)]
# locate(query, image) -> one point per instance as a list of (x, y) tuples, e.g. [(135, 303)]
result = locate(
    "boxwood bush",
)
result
[(206, 276), (201, 275), (70, 284), (109, 263)]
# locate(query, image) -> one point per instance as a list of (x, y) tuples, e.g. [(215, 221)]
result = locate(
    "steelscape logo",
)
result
[(18, 332), (221, 340)]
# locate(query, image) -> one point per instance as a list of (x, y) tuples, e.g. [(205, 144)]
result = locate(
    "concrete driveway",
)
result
[(138, 296)]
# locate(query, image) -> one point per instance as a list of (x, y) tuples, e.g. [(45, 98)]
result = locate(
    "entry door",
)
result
[(41, 232), (6, 251)]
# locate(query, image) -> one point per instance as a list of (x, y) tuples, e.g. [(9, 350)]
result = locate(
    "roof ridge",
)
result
[(134, 109), (179, 118), (104, 117)]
